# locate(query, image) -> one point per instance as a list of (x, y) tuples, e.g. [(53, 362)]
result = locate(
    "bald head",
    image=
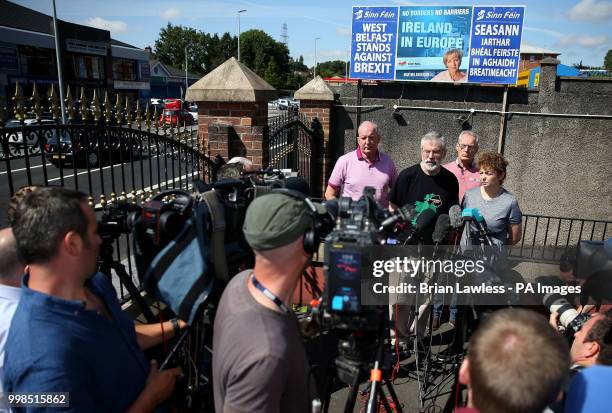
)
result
[(11, 266)]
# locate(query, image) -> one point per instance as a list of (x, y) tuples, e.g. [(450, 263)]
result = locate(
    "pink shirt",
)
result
[(468, 177), (353, 172)]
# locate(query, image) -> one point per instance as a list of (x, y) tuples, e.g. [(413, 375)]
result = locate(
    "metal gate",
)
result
[(110, 152), (294, 145)]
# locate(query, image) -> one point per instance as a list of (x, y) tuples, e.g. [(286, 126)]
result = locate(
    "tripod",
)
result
[(353, 372), (107, 263)]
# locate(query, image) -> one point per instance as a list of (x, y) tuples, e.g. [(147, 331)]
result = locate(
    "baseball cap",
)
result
[(275, 220)]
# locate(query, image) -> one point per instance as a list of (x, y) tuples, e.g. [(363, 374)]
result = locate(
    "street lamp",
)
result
[(315, 64), (239, 11), (186, 65)]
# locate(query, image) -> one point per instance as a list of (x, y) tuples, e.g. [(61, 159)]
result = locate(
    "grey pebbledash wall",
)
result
[(559, 166)]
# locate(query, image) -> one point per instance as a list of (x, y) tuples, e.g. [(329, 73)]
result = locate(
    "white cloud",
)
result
[(170, 13), (114, 26), (592, 11), (583, 41), (343, 31)]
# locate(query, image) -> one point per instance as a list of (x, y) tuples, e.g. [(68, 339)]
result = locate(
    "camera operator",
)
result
[(515, 363), (259, 361), (592, 344), (69, 333)]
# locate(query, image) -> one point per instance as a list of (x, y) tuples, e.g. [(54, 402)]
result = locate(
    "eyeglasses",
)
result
[(465, 147)]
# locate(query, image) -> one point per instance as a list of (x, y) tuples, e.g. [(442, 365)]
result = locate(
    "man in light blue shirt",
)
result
[(11, 270)]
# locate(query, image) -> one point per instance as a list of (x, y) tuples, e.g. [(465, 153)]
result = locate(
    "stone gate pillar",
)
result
[(233, 112), (316, 99)]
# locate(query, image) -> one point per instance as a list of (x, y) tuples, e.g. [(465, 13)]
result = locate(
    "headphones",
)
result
[(312, 237)]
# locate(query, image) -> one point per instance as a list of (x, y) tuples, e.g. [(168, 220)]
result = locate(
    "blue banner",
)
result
[(495, 44), (373, 42), (432, 41)]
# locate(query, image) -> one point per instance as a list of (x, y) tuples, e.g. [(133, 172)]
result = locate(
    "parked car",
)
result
[(176, 117), (15, 138), (89, 150), (193, 111)]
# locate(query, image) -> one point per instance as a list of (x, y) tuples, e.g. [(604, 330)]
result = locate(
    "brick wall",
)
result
[(234, 129)]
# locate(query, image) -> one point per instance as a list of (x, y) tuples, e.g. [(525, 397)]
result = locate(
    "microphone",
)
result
[(454, 214), (403, 214), (442, 229), (474, 215), (424, 219)]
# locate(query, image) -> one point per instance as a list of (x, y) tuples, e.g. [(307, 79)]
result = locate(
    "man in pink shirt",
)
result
[(464, 167), (468, 175), (365, 166)]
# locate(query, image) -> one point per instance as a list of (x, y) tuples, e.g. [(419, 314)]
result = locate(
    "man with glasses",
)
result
[(467, 173), (464, 167)]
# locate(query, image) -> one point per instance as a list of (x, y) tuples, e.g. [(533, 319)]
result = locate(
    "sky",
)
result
[(581, 30)]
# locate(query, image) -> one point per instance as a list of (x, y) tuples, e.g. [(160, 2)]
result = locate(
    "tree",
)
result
[(334, 68), (608, 61), (298, 66), (171, 45), (265, 56)]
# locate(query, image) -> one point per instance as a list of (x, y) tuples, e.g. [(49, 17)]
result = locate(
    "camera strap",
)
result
[(269, 294)]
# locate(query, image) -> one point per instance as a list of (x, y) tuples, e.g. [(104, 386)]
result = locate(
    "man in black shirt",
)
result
[(427, 178), (426, 181)]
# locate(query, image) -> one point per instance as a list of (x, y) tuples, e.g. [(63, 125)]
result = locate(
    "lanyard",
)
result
[(269, 294)]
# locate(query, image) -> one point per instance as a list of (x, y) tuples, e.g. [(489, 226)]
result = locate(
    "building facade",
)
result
[(90, 57)]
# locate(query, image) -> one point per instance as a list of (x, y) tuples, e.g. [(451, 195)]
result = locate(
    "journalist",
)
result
[(365, 166), (11, 271), (69, 333), (259, 360), (515, 363)]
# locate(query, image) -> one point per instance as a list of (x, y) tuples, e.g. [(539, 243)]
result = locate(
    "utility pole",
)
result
[(186, 81), (315, 64), (59, 65), (239, 11)]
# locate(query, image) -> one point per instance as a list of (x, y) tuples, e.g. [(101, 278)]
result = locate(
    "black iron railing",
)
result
[(546, 238)]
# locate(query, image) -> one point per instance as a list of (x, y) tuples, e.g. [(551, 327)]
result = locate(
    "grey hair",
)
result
[(374, 127), (433, 137), (469, 133), (241, 160)]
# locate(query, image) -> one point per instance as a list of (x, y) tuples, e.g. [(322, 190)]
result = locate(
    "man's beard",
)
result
[(430, 167)]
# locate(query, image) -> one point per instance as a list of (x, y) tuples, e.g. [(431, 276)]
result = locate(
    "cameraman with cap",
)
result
[(259, 360)]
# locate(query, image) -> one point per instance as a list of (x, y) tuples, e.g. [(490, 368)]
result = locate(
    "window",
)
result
[(124, 69), (37, 61), (88, 67)]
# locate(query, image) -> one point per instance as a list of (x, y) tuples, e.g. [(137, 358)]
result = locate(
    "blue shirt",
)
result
[(56, 345)]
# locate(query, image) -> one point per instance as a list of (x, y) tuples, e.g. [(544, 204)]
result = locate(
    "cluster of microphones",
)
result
[(444, 223)]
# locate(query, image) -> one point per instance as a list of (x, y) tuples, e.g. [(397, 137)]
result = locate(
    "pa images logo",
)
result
[(359, 14)]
